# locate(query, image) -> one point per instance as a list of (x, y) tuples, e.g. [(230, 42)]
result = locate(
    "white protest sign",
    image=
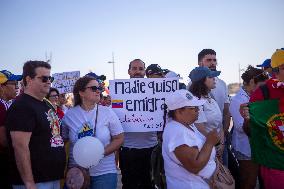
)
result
[(64, 82), (139, 103)]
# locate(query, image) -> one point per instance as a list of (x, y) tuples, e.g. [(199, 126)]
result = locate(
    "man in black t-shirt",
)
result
[(35, 144)]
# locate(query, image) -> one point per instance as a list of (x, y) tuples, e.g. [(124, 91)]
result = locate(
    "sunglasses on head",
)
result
[(95, 88), (44, 79)]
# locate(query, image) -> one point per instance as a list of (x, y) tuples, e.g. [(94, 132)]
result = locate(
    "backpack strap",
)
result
[(265, 91)]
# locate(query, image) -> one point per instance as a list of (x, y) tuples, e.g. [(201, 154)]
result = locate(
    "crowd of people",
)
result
[(39, 128)]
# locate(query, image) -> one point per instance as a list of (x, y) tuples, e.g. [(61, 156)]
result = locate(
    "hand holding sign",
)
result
[(88, 151)]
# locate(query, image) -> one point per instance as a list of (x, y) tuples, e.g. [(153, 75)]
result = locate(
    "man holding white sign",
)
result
[(139, 103)]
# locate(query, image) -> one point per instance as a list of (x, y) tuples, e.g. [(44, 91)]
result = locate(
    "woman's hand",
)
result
[(213, 137), (244, 111)]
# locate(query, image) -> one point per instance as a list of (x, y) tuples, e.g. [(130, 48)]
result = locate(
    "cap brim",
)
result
[(214, 73), (196, 102), (15, 78), (265, 65)]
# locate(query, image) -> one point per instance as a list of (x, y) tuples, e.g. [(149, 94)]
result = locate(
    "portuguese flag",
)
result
[(267, 133)]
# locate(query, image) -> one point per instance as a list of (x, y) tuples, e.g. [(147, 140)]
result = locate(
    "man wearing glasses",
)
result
[(8, 91), (35, 144), (207, 58)]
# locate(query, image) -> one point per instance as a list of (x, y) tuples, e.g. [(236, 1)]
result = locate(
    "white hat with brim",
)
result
[(182, 98)]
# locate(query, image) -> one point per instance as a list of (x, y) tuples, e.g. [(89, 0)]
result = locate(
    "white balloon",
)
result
[(88, 151)]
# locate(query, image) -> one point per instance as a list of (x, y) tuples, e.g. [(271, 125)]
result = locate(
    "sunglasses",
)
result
[(11, 83), (211, 59), (95, 88), (53, 96), (44, 79)]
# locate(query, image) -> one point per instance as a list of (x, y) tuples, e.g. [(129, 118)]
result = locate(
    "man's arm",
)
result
[(226, 118), (20, 142)]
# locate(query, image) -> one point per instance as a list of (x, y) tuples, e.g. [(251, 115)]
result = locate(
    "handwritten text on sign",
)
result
[(64, 82), (140, 102)]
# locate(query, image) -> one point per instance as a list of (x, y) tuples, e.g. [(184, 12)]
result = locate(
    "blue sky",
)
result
[(81, 35)]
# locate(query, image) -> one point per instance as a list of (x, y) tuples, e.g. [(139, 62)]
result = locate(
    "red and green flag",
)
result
[(267, 133)]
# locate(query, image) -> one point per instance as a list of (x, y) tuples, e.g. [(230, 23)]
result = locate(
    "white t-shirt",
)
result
[(220, 93), (240, 140), (201, 116), (78, 123), (212, 115), (175, 134), (140, 140)]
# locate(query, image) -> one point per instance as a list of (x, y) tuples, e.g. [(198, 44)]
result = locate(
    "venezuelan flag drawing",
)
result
[(117, 103)]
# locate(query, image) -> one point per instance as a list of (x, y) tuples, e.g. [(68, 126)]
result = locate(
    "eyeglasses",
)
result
[(44, 79), (95, 88), (211, 59), (11, 83), (196, 108), (53, 96)]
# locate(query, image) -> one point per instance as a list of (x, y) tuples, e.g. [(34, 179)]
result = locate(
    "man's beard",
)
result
[(137, 76), (213, 68)]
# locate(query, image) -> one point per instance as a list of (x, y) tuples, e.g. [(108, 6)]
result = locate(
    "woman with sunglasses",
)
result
[(88, 118), (252, 79), (189, 156), (53, 96), (203, 80)]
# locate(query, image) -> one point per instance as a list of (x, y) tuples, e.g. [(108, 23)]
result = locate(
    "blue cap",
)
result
[(8, 76), (98, 77), (265, 64), (199, 73)]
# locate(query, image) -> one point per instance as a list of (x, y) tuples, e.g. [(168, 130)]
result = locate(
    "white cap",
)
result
[(182, 98), (172, 74)]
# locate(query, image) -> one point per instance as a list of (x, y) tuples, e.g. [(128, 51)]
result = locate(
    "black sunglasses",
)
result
[(211, 59), (44, 79), (95, 88)]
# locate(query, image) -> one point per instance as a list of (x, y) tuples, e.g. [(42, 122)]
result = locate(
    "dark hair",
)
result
[(30, 67), (256, 74), (80, 85), (204, 52), (171, 113), (52, 90), (198, 88), (137, 59)]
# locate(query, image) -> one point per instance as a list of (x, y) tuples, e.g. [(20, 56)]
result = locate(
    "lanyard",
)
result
[(96, 120)]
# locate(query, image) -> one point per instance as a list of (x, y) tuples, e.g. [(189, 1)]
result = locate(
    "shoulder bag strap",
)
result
[(96, 120)]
